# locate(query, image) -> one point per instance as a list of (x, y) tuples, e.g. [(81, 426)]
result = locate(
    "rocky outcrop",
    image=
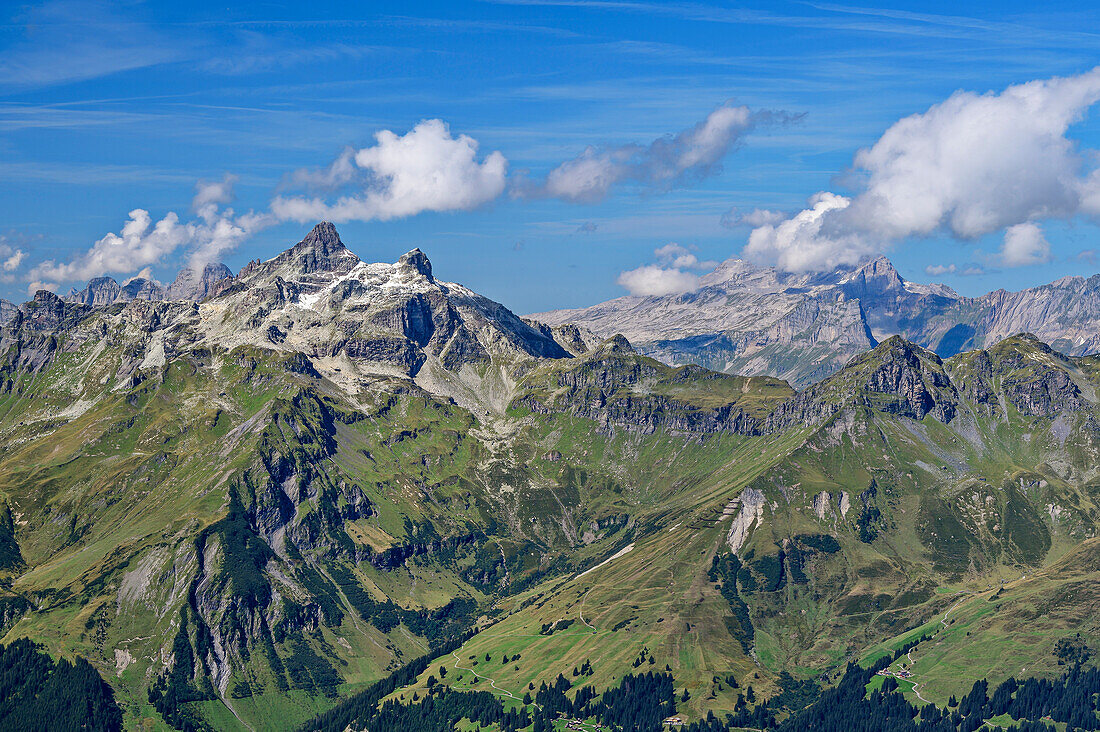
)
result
[(99, 291), (381, 319), (140, 288), (191, 284), (897, 377), (618, 388), (47, 312), (916, 381)]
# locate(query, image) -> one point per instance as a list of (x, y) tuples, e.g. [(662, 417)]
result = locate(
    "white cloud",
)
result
[(757, 217), (968, 166), (145, 274), (339, 172), (667, 162), (798, 244), (424, 170), (219, 231), (1024, 245), (674, 255), (653, 279), (35, 286), (668, 276), (939, 269), (14, 260), (140, 243), (213, 193)]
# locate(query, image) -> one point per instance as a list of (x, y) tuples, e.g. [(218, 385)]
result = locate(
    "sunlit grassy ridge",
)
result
[(297, 540)]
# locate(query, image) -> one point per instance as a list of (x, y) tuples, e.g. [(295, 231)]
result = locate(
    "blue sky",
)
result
[(107, 108)]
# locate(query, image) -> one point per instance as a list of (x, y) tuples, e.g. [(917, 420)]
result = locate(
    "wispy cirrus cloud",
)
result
[(668, 162), (73, 40)]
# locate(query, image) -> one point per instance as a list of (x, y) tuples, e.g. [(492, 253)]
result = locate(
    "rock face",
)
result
[(617, 388), (897, 377), (368, 321), (802, 327), (99, 291), (102, 291), (190, 284), (140, 288)]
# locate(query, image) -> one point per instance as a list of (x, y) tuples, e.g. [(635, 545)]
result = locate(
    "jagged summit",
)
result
[(193, 284), (320, 252), (417, 261), (361, 321), (99, 291)]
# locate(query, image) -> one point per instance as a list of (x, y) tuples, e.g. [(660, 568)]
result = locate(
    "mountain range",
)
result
[(754, 320), (335, 494)]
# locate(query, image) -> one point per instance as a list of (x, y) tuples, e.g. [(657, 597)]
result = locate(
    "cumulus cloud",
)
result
[(667, 162), (145, 274), (800, 244), (588, 227), (141, 243), (680, 257), (653, 279), (426, 169), (219, 231), (937, 270), (969, 166), (339, 172), (36, 285), (669, 275), (1024, 245)]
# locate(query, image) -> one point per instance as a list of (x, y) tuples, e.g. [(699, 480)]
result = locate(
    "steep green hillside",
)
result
[(245, 511)]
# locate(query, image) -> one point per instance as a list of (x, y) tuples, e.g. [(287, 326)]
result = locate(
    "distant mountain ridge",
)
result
[(189, 285), (754, 320)]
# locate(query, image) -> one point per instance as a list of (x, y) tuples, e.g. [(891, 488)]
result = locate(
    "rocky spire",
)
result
[(321, 251), (417, 261)]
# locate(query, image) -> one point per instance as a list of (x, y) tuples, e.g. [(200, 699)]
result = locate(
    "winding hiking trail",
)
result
[(967, 594), (580, 610), (492, 682)]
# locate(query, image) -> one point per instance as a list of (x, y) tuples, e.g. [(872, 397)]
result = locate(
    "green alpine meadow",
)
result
[(332, 494), (549, 366)]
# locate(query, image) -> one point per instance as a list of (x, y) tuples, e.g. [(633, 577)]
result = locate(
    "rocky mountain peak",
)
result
[(46, 312), (191, 284), (616, 345), (323, 237), (98, 292), (417, 261), (322, 251), (913, 377), (140, 288)]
